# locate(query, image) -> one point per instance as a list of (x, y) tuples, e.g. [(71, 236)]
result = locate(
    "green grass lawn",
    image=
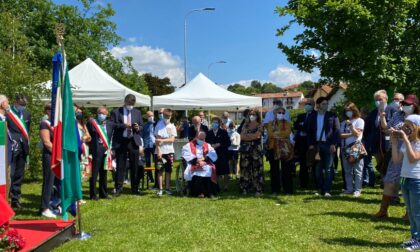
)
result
[(302, 222)]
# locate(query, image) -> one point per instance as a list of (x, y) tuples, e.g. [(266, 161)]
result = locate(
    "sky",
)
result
[(239, 32)]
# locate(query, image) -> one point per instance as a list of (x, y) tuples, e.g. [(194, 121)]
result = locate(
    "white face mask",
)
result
[(150, 119), (252, 118), (167, 121), (378, 103), (280, 116), (408, 110), (349, 114), (129, 107)]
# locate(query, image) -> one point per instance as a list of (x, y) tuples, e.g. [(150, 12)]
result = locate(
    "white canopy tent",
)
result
[(93, 87), (202, 93)]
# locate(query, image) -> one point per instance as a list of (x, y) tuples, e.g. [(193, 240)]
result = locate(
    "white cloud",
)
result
[(132, 40), (153, 60), (284, 76)]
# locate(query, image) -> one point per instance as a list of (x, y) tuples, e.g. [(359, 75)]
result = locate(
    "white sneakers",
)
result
[(48, 213)]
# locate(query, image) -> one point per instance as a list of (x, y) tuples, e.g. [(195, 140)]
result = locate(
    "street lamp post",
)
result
[(211, 64), (185, 38)]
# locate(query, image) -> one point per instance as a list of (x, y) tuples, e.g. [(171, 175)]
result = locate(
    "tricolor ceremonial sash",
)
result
[(20, 123), (105, 141)]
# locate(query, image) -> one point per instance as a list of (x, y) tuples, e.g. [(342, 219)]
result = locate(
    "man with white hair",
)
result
[(226, 120), (377, 142)]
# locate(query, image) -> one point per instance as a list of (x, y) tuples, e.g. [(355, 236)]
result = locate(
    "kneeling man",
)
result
[(201, 171)]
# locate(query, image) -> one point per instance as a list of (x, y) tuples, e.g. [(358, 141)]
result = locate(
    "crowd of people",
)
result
[(218, 150)]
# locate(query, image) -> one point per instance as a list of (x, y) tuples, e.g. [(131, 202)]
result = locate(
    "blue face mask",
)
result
[(20, 108), (200, 142), (215, 125), (160, 116), (101, 117)]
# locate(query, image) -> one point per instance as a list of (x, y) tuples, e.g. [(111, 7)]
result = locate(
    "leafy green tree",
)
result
[(158, 86), (269, 87), (370, 44)]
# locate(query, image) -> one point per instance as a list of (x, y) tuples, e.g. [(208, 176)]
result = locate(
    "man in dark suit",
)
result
[(126, 141), (323, 133), (100, 130), (301, 141), (18, 122), (196, 127), (377, 141)]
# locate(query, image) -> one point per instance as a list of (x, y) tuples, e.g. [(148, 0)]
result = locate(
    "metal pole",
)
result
[(185, 39)]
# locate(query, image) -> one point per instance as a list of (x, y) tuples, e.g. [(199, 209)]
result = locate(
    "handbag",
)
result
[(354, 152)]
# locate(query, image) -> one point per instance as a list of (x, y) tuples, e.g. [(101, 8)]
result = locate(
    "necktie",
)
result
[(129, 130)]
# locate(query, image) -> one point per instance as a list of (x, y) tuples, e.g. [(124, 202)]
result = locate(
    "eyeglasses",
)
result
[(282, 113), (324, 103)]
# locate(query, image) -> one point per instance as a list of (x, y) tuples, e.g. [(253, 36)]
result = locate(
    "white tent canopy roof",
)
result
[(202, 93), (93, 87)]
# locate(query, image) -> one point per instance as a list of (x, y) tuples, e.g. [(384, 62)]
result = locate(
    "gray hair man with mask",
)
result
[(126, 141), (18, 122)]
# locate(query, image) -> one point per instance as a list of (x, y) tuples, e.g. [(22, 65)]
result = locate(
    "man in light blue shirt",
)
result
[(149, 142)]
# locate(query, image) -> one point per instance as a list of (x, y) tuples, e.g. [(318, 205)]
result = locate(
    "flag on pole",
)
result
[(56, 116), (65, 142)]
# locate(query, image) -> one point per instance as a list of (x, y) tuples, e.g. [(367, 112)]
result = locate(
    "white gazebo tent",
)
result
[(93, 87), (202, 93)]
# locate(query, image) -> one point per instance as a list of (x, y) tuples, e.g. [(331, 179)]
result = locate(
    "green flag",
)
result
[(71, 184)]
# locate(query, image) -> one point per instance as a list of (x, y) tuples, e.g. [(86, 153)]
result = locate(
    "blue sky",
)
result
[(240, 32)]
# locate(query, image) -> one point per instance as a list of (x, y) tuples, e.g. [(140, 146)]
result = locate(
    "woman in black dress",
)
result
[(220, 141)]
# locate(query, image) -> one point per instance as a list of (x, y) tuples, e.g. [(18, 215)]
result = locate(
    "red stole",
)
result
[(197, 167)]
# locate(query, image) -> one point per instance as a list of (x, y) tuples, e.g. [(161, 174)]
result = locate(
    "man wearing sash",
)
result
[(18, 122), (100, 129)]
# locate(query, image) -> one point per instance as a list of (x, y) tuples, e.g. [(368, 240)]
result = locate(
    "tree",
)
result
[(306, 87), (269, 87), (256, 85), (158, 86), (370, 44), (27, 44)]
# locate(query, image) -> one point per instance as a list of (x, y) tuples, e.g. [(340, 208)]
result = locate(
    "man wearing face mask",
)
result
[(196, 127), (323, 134), (301, 141), (165, 133), (18, 122), (149, 143), (100, 130), (377, 141), (126, 140), (4, 108), (219, 139), (270, 115)]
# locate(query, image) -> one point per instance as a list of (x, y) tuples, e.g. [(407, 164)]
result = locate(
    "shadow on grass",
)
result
[(364, 217), (345, 198), (396, 229), (350, 241)]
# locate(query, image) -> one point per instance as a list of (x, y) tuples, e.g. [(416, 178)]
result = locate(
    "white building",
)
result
[(290, 100)]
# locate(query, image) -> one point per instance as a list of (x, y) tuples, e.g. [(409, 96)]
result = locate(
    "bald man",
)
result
[(196, 127)]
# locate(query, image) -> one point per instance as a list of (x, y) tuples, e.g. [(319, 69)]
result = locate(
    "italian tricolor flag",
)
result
[(65, 155), (3, 160)]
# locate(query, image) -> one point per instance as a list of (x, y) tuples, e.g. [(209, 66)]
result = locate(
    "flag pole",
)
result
[(59, 32)]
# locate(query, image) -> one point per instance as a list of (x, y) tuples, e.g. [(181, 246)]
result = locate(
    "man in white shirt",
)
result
[(165, 133)]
